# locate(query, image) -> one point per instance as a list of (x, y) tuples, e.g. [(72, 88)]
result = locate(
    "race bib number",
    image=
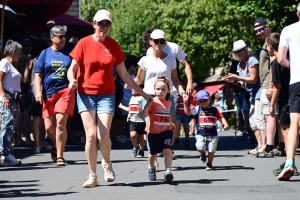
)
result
[(207, 121), (162, 119), (134, 109)]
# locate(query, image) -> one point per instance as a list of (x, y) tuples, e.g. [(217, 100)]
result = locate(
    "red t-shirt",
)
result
[(159, 116), (96, 59)]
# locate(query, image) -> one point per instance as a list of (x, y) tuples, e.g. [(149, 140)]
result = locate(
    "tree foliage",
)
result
[(205, 29)]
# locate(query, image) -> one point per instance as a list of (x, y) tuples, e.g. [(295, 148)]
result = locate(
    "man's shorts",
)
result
[(264, 103), (100, 103), (294, 98), (61, 102), (138, 127), (284, 115), (158, 142), (185, 119), (208, 143), (125, 103)]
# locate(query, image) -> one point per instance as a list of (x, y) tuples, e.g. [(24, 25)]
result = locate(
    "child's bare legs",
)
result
[(168, 158), (186, 131), (134, 139), (210, 157), (142, 142), (152, 158)]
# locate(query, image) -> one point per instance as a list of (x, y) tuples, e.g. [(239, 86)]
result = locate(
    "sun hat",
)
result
[(238, 45), (102, 15), (157, 34)]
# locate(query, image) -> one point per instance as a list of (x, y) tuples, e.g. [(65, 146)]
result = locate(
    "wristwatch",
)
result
[(182, 92)]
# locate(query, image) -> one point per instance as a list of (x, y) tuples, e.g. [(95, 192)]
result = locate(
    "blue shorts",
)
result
[(185, 119), (100, 103), (172, 109), (158, 142)]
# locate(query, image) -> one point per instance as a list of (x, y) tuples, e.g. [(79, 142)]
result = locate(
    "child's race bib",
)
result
[(162, 119), (134, 109)]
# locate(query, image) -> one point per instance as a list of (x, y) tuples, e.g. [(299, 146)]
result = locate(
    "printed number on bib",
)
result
[(207, 121), (134, 109), (162, 119)]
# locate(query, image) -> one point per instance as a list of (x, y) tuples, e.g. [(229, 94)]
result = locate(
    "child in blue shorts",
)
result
[(206, 124)]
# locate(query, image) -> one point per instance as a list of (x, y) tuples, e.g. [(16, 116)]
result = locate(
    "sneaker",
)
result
[(176, 141), (156, 166), (187, 144), (279, 153), (280, 168), (287, 172), (134, 152), (264, 154), (168, 175), (203, 158), (10, 160), (91, 182), (151, 174), (109, 174), (192, 134), (209, 166), (140, 154), (253, 151)]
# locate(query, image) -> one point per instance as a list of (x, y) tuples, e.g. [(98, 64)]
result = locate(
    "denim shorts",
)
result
[(185, 119), (100, 103)]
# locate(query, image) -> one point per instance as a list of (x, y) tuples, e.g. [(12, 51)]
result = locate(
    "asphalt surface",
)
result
[(237, 175)]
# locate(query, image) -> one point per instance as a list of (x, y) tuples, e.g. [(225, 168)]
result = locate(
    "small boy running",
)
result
[(136, 123), (206, 124), (159, 127)]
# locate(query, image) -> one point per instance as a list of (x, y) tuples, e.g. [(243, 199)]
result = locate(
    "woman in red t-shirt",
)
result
[(93, 59)]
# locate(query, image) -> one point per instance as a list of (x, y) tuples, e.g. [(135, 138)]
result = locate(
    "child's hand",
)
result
[(120, 105), (185, 99), (226, 127)]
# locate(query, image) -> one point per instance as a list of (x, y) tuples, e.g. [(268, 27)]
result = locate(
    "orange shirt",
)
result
[(159, 116), (96, 59)]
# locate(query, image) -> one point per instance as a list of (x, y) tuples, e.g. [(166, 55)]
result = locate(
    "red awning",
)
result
[(212, 89)]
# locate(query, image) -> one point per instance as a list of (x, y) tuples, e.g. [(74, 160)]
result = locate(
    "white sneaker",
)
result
[(91, 182), (9, 160), (109, 174)]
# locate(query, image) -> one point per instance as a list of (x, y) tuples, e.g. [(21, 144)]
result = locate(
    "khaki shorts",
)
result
[(256, 118), (264, 103)]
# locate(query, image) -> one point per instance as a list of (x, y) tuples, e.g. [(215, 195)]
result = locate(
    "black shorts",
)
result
[(35, 108), (294, 98), (138, 127), (284, 115), (193, 116), (158, 142)]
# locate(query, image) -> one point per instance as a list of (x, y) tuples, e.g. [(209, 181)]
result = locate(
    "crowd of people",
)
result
[(94, 78)]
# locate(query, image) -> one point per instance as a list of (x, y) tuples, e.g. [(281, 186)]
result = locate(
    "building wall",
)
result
[(74, 9)]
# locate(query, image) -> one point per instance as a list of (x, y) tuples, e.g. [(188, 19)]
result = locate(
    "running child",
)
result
[(136, 123), (206, 124), (159, 127)]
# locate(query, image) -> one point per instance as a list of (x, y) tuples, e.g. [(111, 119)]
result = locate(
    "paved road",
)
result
[(236, 176)]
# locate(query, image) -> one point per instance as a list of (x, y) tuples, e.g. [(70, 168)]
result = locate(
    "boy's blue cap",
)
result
[(202, 94)]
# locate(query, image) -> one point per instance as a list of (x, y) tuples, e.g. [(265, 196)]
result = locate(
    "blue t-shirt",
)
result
[(206, 123), (252, 89), (54, 66)]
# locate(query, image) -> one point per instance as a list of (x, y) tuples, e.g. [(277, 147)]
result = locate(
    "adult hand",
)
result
[(269, 93), (272, 111), (189, 89), (6, 102), (226, 127), (127, 86), (231, 77), (185, 98), (39, 98), (149, 99), (73, 84)]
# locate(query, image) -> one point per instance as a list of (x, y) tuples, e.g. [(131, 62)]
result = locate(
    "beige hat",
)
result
[(238, 45), (102, 15), (157, 34)]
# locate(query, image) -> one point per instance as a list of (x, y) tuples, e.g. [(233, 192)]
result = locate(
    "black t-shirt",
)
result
[(281, 75)]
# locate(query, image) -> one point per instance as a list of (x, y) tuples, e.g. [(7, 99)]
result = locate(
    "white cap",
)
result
[(238, 45), (157, 34), (102, 15)]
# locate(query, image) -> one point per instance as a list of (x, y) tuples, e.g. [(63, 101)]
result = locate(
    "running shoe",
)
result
[(264, 154), (187, 144), (203, 157), (279, 153), (140, 154), (168, 175), (151, 174), (287, 172), (134, 152), (109, 174), (9, 161), (280, 168), (91, 182), (209, 167)]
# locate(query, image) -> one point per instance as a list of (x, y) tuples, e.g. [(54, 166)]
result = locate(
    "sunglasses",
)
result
[(102, 24), (259, 30), (20, 52), (161, 41), (60, 36)]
